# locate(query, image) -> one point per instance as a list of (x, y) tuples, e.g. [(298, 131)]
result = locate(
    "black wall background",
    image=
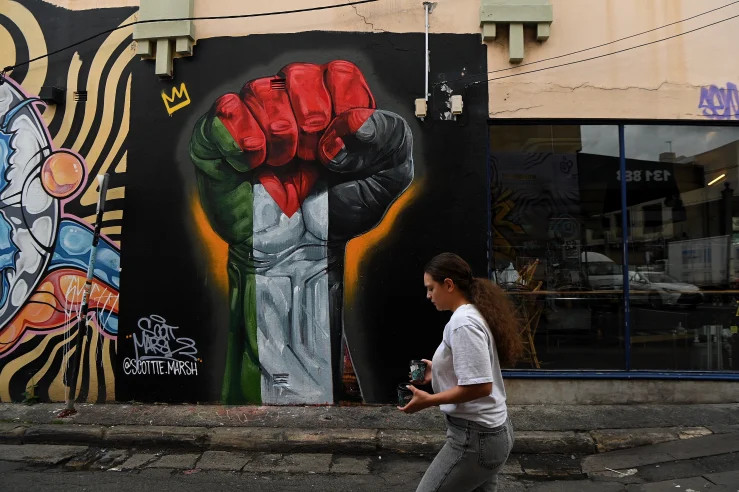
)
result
[(166, 273)]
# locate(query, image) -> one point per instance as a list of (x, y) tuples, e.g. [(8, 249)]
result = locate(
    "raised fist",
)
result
[(288, 170)]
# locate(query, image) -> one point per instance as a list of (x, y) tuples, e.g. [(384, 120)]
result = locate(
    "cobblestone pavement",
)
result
[(632, 448), (66, 467)]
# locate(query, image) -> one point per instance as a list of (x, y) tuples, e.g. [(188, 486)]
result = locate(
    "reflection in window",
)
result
[(683, 304), (551, 210), (558, 240)]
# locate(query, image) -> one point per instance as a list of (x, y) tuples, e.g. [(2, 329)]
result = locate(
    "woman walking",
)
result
[(481, 335)]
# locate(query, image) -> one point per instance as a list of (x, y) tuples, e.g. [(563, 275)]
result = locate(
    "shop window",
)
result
[(557, 244), (683, 303), (556, 249)]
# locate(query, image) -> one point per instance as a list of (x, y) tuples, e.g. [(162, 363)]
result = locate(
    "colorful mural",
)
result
[(294, 162), (50, 155), (44, 251), (287, 203), (272, 238)]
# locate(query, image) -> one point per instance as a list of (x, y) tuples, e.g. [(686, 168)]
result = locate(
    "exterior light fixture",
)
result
[(421, 107), (457, 104)]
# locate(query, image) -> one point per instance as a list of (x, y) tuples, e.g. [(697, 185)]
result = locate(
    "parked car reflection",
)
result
[(604, 275), (658, 289)]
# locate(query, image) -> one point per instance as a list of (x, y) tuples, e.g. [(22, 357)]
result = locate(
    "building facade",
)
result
[(279, 179)]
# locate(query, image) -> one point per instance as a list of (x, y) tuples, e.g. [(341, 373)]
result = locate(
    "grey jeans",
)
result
[(470, 459)]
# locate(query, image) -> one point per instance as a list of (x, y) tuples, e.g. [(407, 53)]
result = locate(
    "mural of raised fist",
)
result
[(289, 170)]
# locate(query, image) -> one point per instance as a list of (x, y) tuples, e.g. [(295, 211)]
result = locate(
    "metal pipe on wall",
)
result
[(428, 7)]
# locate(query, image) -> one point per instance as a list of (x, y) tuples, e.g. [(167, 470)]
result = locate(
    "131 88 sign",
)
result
[(658, 175)]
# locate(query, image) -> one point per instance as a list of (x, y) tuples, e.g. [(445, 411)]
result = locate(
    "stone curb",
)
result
[(559, 442), (613, 439), (307, 440), (62, 434), (286, 440)]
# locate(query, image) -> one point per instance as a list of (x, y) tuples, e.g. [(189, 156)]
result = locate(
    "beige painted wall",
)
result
[(657, 81)]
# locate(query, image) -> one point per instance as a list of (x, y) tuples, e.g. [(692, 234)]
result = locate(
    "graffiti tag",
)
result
[(720, 103), (178, 100), (134, 367), (157, 340), (105, 300), (159, 351)]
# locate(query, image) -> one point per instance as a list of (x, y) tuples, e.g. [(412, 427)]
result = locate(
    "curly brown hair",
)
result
[(488, 298)]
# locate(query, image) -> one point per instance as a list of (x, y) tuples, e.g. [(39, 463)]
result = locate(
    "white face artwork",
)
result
[(28, 212)]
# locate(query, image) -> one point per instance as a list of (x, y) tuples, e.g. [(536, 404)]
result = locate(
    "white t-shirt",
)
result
[(466, 356)]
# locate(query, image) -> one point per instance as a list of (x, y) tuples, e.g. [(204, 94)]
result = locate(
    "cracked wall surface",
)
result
[(662, 80), (542, 100), (449, 16), (659, 81)]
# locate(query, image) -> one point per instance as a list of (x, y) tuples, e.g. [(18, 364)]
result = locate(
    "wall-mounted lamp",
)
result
[(716, 179)]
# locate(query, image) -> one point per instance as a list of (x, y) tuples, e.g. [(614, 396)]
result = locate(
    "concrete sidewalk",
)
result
[(553, 429)]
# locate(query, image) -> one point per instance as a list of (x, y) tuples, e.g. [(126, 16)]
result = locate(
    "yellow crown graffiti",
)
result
[(178, 100)]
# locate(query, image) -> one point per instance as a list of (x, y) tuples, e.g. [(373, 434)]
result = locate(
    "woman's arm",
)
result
[(457, 394)]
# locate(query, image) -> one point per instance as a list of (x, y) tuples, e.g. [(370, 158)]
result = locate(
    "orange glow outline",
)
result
[(214, 247), (358, 249)]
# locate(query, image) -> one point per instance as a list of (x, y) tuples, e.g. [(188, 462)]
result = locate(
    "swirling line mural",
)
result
[(50, 155)]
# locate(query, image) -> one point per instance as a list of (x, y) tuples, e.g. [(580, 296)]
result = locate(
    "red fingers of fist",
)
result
[(311, 104), (276, 119), (347, 87), (347, 123), (267, 100), (243, 129)]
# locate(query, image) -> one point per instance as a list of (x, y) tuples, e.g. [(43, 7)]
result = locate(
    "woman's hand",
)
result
[(420, 400), (427, 376), (457, 394)]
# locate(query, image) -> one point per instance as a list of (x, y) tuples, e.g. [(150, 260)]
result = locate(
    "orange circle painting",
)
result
[(62, 174)]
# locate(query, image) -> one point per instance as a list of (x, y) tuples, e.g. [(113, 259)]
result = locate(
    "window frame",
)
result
[(628, 372)]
